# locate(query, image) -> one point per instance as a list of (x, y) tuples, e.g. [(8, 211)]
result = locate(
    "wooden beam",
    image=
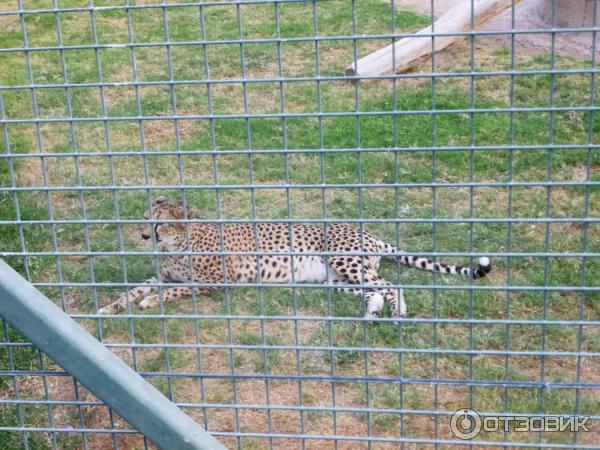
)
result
[(402, 54)]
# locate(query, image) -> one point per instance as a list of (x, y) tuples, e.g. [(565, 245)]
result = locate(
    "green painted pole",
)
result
[(97, 368)]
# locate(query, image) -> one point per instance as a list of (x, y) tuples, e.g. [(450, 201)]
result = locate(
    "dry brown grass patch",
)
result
[(32, 172), (64, 388), (163, 132)]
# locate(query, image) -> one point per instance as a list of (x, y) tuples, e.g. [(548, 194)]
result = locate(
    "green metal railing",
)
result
[(96, 367)]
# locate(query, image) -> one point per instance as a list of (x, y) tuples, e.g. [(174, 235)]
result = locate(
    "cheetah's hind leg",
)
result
[(373, 300), (397, 303), (373, 304)]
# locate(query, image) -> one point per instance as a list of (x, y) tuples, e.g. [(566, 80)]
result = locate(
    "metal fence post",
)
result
[(103, 373)]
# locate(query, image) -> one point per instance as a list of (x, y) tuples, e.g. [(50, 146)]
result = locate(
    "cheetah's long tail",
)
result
[(483, 268)]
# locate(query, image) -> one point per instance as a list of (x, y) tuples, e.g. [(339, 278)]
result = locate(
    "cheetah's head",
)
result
[(167, 234)]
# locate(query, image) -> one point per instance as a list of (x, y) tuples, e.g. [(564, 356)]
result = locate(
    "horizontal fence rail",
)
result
[(242, 113)]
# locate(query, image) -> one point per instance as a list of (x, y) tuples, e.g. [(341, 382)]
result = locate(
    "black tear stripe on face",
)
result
[(156, 225)]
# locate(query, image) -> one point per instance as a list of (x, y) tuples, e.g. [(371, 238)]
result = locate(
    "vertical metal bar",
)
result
[(115, 201), (138, 104), (434, 312), (255, 226), (49, 207), (397, 214), (130, 38), (288, 205), (74, 148), (215, 169), (42, 366), (111, 174), (107, 138), (359, 176), (82, 420), (324, 212), (509, 231), (15, 384), (548, 210), (163, 322), (586, 213), (257, 236), (297, 342), (471, 189)]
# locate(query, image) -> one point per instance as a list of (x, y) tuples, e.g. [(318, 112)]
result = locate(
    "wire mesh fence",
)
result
[(243, 110)]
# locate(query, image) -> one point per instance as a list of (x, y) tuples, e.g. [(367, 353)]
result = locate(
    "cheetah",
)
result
[(342, 268)]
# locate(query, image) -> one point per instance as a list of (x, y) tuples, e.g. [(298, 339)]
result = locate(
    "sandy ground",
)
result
[(532, 15)]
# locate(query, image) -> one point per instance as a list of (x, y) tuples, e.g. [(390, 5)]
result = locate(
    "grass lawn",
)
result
[(198, 134)]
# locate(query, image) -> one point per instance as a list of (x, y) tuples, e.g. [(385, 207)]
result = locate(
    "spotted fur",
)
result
[(342, 268)]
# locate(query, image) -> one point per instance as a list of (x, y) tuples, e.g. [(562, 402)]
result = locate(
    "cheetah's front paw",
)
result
[(113, 308), (151, 301)]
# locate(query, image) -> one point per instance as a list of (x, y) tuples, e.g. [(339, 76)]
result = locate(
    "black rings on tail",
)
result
[(483, 268)]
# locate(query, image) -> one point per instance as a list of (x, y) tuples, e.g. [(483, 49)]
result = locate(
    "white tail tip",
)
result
[(484, 261)]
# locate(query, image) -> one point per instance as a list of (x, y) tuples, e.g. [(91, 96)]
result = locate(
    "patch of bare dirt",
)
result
[(530, 15), (64, 389), (538, 14)]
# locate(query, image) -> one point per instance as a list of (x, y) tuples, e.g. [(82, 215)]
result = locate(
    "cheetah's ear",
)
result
[(193, 213), (160, 200)]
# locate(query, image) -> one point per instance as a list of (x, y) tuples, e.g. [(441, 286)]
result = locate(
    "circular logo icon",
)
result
[(465, 423)]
